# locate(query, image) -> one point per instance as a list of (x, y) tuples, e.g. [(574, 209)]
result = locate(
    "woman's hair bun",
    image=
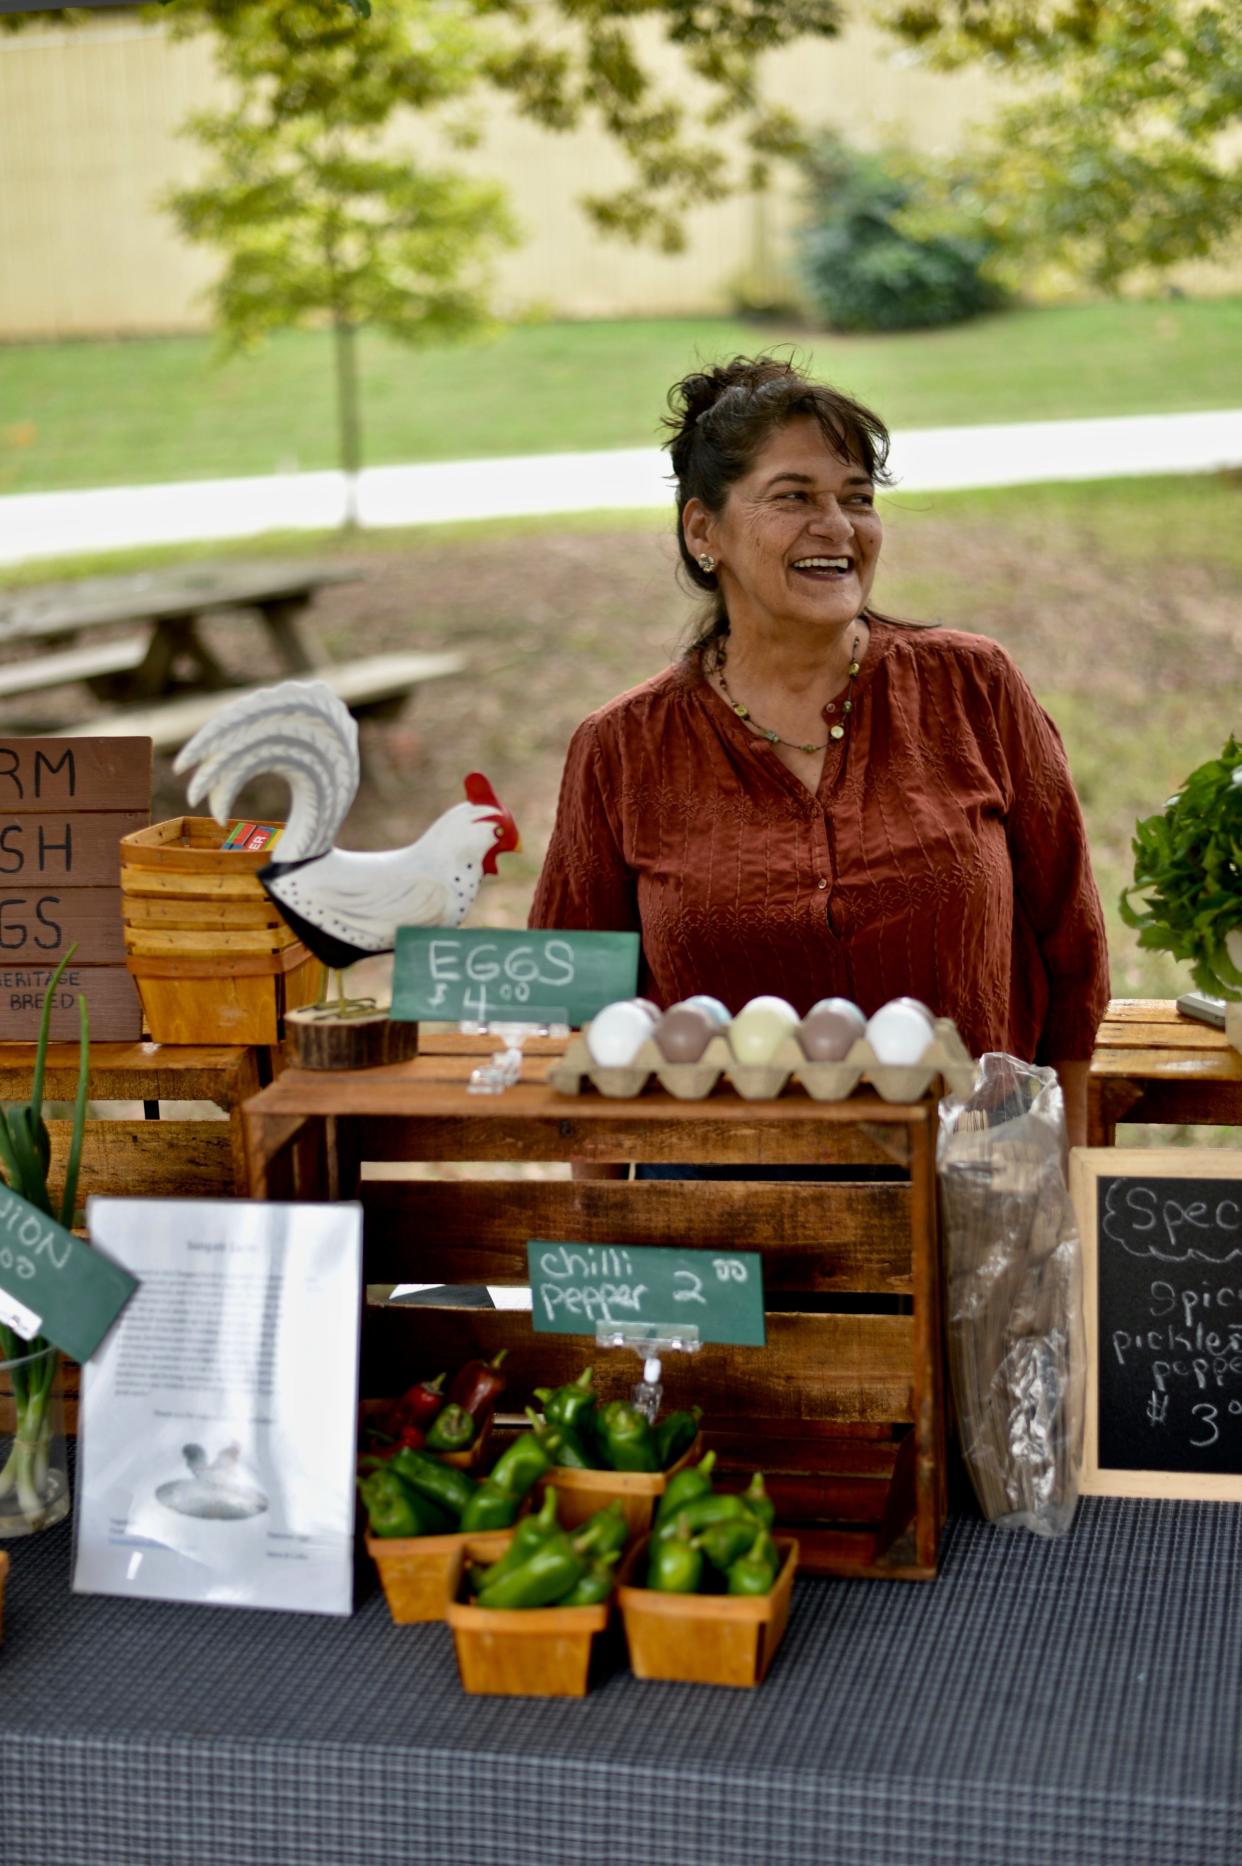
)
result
[(699, 392)]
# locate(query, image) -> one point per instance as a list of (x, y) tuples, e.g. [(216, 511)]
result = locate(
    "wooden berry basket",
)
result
[(420, 1574), (213, 959), (536, 1652), (581, 1493), (704, 1639)]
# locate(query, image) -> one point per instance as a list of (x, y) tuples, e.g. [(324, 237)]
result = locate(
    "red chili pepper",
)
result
[(478, 1385), (417, 1406), (413, 1436)]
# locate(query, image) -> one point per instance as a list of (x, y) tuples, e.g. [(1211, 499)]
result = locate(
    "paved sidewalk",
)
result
[(58, 524)]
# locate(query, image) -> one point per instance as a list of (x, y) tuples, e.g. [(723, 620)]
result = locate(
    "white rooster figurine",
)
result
[(342, 903)]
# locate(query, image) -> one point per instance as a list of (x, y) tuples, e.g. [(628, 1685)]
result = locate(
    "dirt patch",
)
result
[(1135, 662)]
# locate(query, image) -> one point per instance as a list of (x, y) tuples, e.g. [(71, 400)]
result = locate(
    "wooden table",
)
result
[(169, 606), (1153, 1064), (843, 1409)]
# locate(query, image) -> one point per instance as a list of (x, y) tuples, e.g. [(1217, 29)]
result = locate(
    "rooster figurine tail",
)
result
[(298, 731), (342, 903)]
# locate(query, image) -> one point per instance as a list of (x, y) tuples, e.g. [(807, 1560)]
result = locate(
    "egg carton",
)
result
[(946, 1057)]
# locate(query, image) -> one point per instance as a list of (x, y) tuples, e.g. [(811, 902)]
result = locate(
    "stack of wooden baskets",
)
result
[(213, 959)]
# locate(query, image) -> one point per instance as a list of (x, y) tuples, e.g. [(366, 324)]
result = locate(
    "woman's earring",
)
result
[(707, 564)]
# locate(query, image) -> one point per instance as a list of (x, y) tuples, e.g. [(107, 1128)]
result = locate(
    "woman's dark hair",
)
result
[(720, 420)]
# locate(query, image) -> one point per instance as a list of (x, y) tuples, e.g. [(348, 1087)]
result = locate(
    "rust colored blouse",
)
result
[(944, 854)]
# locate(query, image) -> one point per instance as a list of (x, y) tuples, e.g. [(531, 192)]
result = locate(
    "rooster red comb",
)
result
[(479, 791)]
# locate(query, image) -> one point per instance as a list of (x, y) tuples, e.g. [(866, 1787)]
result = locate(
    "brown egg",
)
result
[(683, 1034), (829, 1029)]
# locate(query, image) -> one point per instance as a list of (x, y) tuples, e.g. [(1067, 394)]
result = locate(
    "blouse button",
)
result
[(822, 883)]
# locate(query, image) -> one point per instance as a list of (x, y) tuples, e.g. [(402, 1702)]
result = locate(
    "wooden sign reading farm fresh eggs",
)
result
[(64, 806)]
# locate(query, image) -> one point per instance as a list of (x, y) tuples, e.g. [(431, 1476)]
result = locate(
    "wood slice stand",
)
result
[(315, 1039), (843, 1409)]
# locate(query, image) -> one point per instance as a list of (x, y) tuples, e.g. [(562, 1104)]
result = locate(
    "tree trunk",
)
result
[(349, 414)]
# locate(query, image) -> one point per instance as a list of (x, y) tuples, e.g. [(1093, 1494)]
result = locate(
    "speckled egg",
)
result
[(684, 1032), (899, 1033), (615, 1036), (830, 1029), (760, 1028)]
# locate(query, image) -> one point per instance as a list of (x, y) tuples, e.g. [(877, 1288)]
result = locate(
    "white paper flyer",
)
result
[(218, 1424)]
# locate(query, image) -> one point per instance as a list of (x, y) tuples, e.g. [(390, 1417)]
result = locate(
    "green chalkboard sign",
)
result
[(53, 1284), (576, 1288), (502, 975)]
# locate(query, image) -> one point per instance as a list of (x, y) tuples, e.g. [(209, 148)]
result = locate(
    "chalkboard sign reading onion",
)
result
[(1162, 1253)]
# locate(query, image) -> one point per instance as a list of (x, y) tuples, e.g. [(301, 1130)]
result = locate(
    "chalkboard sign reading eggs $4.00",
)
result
[(1162, 1257)]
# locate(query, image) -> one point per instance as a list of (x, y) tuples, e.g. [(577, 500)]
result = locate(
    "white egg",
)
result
[(760, 1028), (616, 1035), (899, 1032)]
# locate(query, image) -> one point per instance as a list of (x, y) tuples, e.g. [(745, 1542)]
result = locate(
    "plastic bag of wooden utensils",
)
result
[(1013, 1294)]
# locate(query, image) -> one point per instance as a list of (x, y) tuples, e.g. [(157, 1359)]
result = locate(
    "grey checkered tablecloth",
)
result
[(1043, 1704)]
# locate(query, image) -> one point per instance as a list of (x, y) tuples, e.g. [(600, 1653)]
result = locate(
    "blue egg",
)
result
[(713, 1007)]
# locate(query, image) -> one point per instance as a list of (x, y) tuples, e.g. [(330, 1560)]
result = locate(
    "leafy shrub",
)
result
[(1188, 875), (885, 248)]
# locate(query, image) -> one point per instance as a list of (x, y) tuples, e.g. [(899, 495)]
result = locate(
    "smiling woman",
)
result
[(820, 800)]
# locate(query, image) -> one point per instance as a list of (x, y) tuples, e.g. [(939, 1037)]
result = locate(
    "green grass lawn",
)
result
[(95, 414)]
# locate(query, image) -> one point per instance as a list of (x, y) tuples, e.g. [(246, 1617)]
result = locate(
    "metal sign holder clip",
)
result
[(651, 1340)]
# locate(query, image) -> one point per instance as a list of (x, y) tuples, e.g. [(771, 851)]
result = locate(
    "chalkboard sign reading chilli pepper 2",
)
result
[(1162, 1252), (704, 1295)]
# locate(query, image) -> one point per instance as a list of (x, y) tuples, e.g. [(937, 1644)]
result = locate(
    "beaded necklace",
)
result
[(774, 738)]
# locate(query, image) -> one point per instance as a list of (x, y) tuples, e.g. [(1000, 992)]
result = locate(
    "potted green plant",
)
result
[(34, 1480), (1188, 876)]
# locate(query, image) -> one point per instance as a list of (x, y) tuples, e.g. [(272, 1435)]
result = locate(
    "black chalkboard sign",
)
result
[(1162, 1254)]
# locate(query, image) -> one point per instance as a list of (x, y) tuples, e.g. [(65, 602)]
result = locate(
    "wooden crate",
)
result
[(1151, 1064), (843, 1410), (214, 961), (182, 1156)]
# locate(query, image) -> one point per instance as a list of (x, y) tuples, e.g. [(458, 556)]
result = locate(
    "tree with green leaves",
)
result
[(320, 216), (316, 217), (1114, 160)]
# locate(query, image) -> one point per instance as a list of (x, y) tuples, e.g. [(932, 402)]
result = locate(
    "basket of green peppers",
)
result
[(524, 1624), (604, 1451), (705, 1598), (421, 1512)]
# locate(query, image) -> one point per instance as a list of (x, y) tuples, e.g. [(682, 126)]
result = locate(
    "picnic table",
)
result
[(169, 650), (164, 676)]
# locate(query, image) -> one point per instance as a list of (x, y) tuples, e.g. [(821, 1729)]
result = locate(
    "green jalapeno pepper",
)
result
[(545, 1577), (568, 1405), (393, 1509), (604, 1533), (490, 1507), (723, 1543), (561, 1443), (702, 1512), (684, 1487), (675, 1564), (758, 1502), (674, 1435), (594, 1586), (453, 1429), (625, 1437), (450, 1488), (520, 1466), (530, 1532), (756, 1571)]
